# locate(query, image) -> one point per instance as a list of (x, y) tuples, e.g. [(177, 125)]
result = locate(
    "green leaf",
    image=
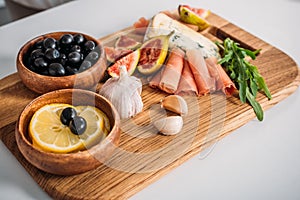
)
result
[(242, 89), (263, 86), (233, 75), (226, 58), (250, 53), (253, 87), (255, 105)]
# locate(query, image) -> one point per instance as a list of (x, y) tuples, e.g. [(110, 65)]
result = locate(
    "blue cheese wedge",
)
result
[(183, 37)]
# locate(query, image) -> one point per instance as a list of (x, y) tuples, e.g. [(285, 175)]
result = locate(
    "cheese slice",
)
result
[(183, 37)]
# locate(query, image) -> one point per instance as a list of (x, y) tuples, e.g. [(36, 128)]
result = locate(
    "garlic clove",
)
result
[(176, 104), (169, 125)]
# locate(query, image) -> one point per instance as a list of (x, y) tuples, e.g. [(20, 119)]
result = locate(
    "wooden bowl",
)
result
[(68, 163), (87, 79)]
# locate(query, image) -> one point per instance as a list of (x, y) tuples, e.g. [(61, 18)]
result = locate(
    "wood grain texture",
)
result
[(144, 156)]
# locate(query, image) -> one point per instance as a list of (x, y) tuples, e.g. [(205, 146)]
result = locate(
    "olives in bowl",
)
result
[(61, 60)]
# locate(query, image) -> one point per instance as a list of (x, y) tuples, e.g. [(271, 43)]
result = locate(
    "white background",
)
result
[(260, 160)]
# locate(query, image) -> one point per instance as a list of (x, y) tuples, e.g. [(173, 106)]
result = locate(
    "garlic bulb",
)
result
[(124, 92)]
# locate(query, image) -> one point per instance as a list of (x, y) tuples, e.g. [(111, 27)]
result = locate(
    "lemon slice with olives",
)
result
[(49, 133)]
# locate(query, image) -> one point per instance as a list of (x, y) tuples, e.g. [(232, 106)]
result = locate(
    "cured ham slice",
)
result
[(155, 80), (172, 72), (223, 82), (187, 85), (141, 25), (205, 83)]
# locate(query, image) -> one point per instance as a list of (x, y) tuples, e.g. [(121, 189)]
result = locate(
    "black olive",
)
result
[(40, 64), (85, 65), (93, 56), (74, 57), (56, 69), (49, 43), (89, 46), (52, 54), (67, 115), (37, 53), (78, 125), (78, 39), (71, 70), (39, 44), (66, 40)]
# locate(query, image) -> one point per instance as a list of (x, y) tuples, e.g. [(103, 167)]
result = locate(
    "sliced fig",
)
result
[(130, 61), (113, 54), (153, 54), (126, 42)]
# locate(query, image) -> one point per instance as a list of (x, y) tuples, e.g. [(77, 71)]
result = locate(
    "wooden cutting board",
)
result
[(144, 156)]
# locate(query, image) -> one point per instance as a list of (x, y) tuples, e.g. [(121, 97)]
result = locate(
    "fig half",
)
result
[(153, 54)]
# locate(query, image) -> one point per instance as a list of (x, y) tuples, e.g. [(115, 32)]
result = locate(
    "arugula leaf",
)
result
[(253, 86), (227, 57), (244, 74), (256, 106), (251, 54)]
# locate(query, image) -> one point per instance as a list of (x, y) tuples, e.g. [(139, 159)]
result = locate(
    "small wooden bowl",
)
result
[(41, 84), (68, 163)]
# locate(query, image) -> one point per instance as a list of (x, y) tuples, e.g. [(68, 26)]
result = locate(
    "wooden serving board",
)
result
[(144, 156)]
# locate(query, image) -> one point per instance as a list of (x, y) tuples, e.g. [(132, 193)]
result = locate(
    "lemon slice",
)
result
[(48, 133)]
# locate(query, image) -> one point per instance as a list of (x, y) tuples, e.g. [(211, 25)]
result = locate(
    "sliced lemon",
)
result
[(48, 133)]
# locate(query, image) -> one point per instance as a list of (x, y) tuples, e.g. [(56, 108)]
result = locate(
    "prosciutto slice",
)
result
[(155, 80), (223, 81), (187, 85), (172, 72), (205, 83)]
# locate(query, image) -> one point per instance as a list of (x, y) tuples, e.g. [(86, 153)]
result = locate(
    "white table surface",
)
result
[(260, 160)]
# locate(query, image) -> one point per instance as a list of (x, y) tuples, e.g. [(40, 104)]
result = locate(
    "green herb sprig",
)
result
[(244, 74)]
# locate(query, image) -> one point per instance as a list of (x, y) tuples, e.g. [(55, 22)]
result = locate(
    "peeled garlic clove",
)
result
[(169, 125), (176, 104)]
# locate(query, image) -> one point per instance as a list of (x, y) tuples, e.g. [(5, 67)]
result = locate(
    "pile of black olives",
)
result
[(70, 54)]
